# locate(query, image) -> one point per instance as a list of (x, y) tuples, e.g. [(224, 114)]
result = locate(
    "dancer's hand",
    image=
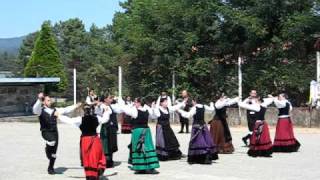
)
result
[(40, 95)]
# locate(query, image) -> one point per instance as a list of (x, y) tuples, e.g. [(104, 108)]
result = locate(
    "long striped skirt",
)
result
[(260, 141), (144, 156), (284, 140)]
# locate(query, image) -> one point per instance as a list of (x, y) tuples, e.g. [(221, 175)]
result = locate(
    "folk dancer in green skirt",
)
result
[(143, 154)]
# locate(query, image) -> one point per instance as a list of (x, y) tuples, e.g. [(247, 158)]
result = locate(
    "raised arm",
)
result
[(130, 111), (105, 116), (267, 101), (189, 114), (67, 109), (36, 109), (280, 103), (210, 108), (176, 107)]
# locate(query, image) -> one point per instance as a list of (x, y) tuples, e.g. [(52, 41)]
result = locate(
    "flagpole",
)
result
[(240, 85), (173, 92), (120, 81)]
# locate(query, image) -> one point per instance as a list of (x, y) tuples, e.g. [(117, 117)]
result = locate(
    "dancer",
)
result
[(284, 140), (126, 120), (219, 127), (108, 132), (202, 150), (143, 154), (260, 141), (167, 145), (92, 155), (92, 97), (251, 116), (164, 96), (48, 126), (185, 121)]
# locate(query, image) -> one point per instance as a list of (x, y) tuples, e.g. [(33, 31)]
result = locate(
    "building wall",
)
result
[(17, 100)]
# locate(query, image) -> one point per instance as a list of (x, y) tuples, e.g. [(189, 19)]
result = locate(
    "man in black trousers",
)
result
[(48, 126), (188, 105)]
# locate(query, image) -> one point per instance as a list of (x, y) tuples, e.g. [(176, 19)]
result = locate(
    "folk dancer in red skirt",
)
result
[(219, 127), (48, 126), (260, 141), (126, 125), (284, 140), (92, 156)]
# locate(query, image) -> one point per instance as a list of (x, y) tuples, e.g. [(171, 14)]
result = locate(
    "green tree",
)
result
[(45, 59)]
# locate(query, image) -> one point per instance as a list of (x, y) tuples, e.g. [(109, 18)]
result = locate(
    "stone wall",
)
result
[(300, 116), (17, 100)]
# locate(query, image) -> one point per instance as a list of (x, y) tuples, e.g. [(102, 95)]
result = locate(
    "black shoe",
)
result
[(244, 139), (180, 132), (140, 172), (51, 171), (152, 171), (187, 132), (183, 156), (110, 164)]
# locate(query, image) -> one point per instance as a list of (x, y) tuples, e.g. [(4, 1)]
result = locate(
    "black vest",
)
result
[(89, 125), (251, 115), (221, 113), (141, 121), (285, 110), (260, 115), (164, 119), (198, 118), (113, 119), (48, 122)]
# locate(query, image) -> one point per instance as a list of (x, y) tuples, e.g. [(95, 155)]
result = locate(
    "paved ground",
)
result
[(22, 157)]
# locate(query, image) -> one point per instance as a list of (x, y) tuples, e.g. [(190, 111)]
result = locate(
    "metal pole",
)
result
[(173, 92), (120, 81), (74, 86), (240, 84)]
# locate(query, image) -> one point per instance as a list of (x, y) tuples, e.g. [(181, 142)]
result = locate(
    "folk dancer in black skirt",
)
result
[(251, 116), (202, 149), (167, 145), (219, 127), (188, 101), (260, 141), (48, 126), (108, 133), (142, 151), (92, 155), (284, 140)]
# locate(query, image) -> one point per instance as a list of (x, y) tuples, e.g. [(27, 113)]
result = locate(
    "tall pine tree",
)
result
[(45, 60)]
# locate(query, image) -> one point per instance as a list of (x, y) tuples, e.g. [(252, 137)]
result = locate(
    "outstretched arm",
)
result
[(76, 121), (189, 114), (252, 107)]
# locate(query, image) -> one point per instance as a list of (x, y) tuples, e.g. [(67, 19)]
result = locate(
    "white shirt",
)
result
[(37, 108), (193, 110), (76, 121), (133, 111), (156, 110), (255, 106), (221, 103)]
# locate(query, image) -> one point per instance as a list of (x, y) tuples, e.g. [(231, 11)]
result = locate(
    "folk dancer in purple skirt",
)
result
[(202, 150)]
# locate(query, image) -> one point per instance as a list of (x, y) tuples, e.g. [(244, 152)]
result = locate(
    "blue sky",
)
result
[(20, 17)]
